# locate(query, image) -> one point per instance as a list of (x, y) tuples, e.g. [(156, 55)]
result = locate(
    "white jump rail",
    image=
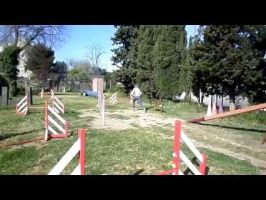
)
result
[(113, 99), (42, 93), (22, 106), (52, 92), (57, 104), (101, 105), (77, 147), (54, 120), (178, 154)]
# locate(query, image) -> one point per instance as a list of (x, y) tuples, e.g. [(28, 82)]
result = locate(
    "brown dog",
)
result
[(157, 104)]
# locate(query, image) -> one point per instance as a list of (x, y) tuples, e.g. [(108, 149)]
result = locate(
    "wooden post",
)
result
[(29, 93), (5, 96)]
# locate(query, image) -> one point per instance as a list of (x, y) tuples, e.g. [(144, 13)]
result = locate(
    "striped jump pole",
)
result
[(179, 156), (77, 147), (101, 105), (58, 106), (52, 94), (54, 121), (42, 93), (113, 99), (22, 106)]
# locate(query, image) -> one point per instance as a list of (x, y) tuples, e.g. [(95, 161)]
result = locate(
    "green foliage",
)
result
[(124, 58), (151, 57), (40, 61), (230, 61), (168, 55), (8, 67)]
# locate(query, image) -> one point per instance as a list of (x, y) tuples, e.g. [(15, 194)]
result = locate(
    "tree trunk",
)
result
[(232, 102), (16, 35), (58, 86)]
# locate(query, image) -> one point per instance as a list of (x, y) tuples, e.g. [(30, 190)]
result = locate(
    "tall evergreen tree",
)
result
[(8, 67), (40, 61), (228, 61), (123, 39), (169, 55), (145, 68)]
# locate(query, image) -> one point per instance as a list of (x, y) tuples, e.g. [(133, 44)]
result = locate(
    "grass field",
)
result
[(232, 145)]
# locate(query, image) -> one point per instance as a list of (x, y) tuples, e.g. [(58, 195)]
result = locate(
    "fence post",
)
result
[(29, 93), (46, 120), (176, 147), (82, 150), (5, 96), (202, 167)]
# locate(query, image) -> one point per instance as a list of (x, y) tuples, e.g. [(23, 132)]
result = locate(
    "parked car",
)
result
[(89, 93)]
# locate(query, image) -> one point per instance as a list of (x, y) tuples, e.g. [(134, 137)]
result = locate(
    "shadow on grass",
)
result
[(235, 128), (9, 135), (65, 94), (39, 103), (139, 172)]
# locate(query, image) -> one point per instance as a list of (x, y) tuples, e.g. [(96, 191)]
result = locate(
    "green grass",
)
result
[(222, 164), (18, 161), (112, 152), (107, 151), (180, 109)]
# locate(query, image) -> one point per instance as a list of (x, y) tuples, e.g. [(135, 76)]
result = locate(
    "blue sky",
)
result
[(81, 36)]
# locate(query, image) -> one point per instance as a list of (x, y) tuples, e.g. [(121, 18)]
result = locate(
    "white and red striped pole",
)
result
[(82, 161), (178, 155), (46, 120), (176, 147), (54, 121), (77, 147), (202, 167), (22, 106)]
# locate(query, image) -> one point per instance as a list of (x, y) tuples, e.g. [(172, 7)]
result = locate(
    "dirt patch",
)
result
[(127, 119)]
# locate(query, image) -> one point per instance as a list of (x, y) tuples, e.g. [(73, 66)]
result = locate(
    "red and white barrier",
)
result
[(57, 104), (53, 120), (42, 93), (178, 154), (22, 106), (52, 93), (77, 147), (113, 99), (101, 105)]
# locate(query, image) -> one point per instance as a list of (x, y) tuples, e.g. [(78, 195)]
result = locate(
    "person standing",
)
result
[(136, 94)]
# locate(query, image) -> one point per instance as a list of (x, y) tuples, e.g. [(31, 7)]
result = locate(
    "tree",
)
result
[(31, 34), (94, 56), (8, 67), (230, 61), (40, 61), (169, 55), (124, 54), (145, 65), (60, 69), (185, 76)]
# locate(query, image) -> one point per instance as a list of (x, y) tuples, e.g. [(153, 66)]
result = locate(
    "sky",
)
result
[(79, 37)]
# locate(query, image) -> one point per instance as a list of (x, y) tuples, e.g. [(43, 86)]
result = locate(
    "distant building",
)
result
[(98, 83), (22, 72)]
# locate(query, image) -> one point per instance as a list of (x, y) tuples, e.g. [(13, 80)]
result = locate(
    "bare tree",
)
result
[(95, 53), (50, 35)]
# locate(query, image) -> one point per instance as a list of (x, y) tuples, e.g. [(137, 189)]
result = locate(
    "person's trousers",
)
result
[(138, 99)]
